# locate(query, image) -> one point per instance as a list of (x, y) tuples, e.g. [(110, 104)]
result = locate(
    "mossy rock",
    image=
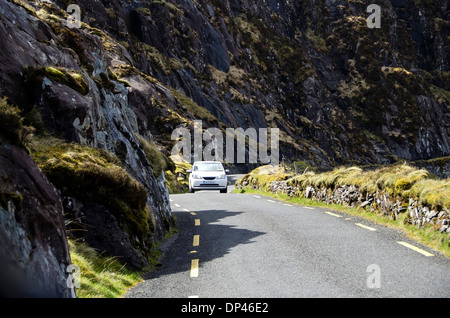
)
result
[(157, 159), (96, 175), (15, 198), (12, 126), (70, 78)]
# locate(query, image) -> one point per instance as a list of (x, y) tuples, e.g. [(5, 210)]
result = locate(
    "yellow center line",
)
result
[(193, 213), (196, 241), (194, 268), (197, 222), (414, 248)]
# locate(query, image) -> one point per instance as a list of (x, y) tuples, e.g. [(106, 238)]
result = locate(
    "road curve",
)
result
[(243, 245)]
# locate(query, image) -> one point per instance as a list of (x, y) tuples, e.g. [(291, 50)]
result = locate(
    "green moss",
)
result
[(157, 159), (163, 62), (441, 95), (318, 42), (174, 184), (72, 40), (104, 81), (199, 112), (177, 179), (70, 78), (12, 127), (145, 11), (15, 198), (93, 174), (28, 8)]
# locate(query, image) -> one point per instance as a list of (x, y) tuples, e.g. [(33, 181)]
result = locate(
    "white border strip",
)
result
[(414, 248)]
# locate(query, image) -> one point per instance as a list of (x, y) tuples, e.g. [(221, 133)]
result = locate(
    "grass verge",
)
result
[(101, 276)]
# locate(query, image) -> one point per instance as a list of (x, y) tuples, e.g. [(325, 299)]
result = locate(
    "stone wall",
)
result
[(379, 202)]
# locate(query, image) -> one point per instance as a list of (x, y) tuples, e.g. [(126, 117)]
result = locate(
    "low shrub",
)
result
[(262, 177)]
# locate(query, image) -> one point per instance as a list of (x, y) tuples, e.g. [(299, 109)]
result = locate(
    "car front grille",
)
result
[(209, 178)]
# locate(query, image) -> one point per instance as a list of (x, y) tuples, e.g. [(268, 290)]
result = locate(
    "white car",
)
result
[(208, 175)]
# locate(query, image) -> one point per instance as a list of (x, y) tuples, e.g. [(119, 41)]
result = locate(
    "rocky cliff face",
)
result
[(34, 256), (62, 81), (339, 91)]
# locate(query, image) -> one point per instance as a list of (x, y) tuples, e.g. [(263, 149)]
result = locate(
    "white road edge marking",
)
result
[(258, 197), (414, 248), (366, 227), (335, 215), (177, 205)]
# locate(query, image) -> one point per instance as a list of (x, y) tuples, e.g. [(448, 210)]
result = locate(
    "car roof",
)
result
[(207, 162)]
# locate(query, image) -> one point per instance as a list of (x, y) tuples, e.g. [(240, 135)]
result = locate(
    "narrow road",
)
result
[(243, 245)]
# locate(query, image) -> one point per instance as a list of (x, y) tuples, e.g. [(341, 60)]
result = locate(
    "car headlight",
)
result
[(194, 176), (222, 176)]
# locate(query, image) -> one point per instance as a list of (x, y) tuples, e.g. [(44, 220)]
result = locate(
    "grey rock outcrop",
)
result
[(108, 115), (34, 255), (338, 91)]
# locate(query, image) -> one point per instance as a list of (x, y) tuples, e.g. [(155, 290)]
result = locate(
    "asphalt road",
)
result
[(243, 245)]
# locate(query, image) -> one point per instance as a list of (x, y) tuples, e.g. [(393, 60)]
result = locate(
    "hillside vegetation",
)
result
[(398, 181), (104, 98)]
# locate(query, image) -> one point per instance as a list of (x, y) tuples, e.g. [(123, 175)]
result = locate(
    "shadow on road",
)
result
[(216, 240)]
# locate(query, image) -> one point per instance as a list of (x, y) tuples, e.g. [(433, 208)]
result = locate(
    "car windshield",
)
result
[(208, 167)]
